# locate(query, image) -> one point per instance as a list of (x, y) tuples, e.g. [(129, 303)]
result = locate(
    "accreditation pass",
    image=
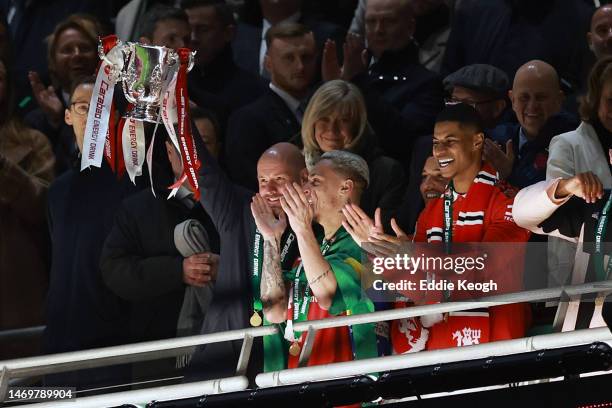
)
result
[(39, 394)]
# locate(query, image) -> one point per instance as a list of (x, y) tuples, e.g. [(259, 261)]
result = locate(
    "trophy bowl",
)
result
[(144, 72)]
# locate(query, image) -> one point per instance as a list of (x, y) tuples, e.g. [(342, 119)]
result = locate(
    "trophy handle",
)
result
[(191, 60)]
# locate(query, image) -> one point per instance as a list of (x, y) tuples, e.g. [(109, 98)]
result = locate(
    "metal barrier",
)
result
[(21, 333), (173, 347), (139, 397)]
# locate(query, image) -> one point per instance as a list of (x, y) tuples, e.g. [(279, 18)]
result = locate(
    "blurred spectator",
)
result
[(508, 33), (250, 45), (536, 100), (141, 262), (277, 115), (433, 184), (72, 52), (165, 26), (599, 36), (212, 30), (335, 119), (82, 313), (26, 169), (30, 22), (482, 86), (431, 32), (401, 95), (208, 127), (424, 181), (130, 17)]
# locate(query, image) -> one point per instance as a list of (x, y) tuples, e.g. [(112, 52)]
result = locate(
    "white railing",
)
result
[(48, 364)]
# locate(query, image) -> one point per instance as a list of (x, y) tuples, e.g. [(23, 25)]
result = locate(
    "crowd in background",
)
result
[(101, 261)]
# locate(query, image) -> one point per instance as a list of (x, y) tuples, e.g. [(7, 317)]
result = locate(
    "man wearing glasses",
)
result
[(483, 87), (81, 313)]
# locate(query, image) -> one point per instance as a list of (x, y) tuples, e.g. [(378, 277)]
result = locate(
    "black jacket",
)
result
[(61, 139), (223, 78), (253, 129), (140, 262), (229, 208), (82, 312), (569, 220), (402, 98)]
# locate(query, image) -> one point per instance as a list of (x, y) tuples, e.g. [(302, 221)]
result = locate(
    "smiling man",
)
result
[(433, 183), (536, 100), (327, 280), (233, 306), (277, 115), (480, 211)]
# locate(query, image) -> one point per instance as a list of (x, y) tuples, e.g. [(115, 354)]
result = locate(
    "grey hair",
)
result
[(350, 164)]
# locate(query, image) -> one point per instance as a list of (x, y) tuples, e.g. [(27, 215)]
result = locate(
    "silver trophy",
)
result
[(145, 71)]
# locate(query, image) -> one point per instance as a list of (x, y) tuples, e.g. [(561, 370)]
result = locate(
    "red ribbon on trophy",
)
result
[(110, 145), (154, 83), (189, 155)]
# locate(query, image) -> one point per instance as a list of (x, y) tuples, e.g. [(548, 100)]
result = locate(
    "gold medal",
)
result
[(295, 349), (255, 319)]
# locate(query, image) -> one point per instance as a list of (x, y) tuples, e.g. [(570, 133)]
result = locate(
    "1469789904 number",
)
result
[(40, 393)]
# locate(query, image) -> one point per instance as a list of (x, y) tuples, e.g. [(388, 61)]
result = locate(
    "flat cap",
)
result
[(479, 77)]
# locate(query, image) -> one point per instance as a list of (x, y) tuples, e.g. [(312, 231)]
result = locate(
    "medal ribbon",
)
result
[(600, 232), (258, 264), (188, 152), (298, 306)]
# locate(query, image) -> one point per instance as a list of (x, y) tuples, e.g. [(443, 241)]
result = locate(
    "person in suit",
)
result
[(536, 100), (277, 115), (250, 45), (165, 26), (402, 96), (212, 29)]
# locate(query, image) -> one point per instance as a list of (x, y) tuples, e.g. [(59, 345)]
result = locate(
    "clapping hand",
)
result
[(355, 59), (298, 208), (502, 162), (47, 99), (359, 225), (270, 227)]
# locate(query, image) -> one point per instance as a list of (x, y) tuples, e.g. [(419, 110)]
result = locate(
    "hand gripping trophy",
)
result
[(154, 82)]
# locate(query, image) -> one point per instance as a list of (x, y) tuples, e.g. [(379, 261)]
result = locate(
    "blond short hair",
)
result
[(333, 96)]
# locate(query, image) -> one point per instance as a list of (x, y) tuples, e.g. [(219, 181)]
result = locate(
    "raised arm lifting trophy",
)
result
[(154, 81)]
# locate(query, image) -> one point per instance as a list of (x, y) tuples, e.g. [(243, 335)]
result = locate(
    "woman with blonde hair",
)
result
[(336, 119)]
